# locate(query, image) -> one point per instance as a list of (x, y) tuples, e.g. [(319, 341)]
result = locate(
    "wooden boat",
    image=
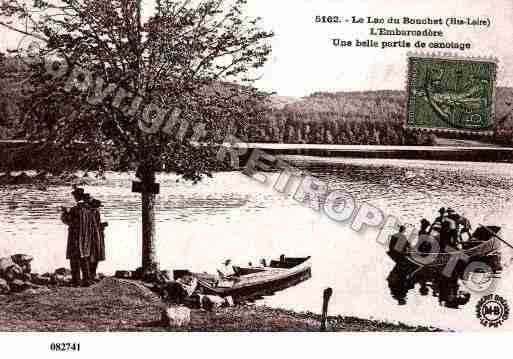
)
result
[(483, 246), (255, 282)]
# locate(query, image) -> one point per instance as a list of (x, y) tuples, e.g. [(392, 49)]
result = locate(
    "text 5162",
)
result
[(328, 19)]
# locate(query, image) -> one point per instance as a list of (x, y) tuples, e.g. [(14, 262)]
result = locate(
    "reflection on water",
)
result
[(232, 216), (446, 289)]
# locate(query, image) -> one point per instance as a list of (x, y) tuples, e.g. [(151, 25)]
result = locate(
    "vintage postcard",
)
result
[(255, 166)]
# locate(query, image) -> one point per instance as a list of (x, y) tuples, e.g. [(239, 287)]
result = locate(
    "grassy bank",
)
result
[(114, 305)]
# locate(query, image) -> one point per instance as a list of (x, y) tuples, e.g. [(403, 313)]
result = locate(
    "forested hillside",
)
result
[(359, 118), (363, 118)]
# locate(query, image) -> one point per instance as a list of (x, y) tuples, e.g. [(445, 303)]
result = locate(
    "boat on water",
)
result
[(483, 246), (249, 283), (476, 263)]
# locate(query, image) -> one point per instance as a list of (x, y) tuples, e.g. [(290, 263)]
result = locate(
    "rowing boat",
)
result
[(255, 282), (483, 246)]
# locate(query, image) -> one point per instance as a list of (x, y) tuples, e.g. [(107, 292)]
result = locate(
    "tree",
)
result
[(12, 73), (139, 85)]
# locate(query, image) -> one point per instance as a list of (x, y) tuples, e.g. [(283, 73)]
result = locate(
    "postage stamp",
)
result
[(447, 93)]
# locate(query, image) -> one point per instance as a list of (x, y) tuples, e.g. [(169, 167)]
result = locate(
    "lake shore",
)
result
[(115, 305), (24, 156)]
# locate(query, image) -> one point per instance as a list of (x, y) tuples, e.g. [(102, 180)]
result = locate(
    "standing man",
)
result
[(79, 244), (423, 245), (399, 244), (466, 228), (440, 218), (452, 220), (424, 227), (98, 231), (445, 236), (437, 223)]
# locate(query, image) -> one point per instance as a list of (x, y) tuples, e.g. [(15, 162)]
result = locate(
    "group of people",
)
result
[(448, 229), (86, 237)]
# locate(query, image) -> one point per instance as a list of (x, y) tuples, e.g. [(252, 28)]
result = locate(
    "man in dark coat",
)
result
[(452, 227), (398, 244), (423, 245), (440, 218), (446, 236), (424, 227), (80, 237), (98, 230)]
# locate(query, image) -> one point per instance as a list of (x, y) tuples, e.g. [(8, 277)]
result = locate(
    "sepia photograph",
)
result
[(255, 166)]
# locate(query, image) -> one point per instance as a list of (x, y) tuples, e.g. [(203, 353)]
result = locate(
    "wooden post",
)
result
[(325, 300), (149, 253), (148, 189)]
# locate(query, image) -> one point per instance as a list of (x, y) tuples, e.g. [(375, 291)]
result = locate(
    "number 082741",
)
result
[(65, 347)]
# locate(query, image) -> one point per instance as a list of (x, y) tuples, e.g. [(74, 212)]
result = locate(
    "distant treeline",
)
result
[(347, 118), (364, 118), (369, 118)]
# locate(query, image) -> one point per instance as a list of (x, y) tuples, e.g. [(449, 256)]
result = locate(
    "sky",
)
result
[(304, 60)]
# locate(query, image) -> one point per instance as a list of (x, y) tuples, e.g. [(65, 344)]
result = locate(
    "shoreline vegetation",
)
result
[(22, 156), (120, 305)]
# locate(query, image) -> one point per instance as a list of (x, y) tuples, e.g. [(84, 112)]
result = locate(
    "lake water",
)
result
[(233, 216)]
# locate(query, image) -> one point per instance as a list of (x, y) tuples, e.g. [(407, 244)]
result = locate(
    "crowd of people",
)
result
[(449, 229), (86, 237)]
